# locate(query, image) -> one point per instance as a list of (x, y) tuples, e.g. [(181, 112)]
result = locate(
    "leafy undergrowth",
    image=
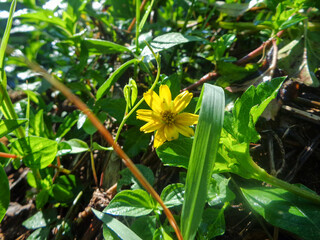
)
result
[(212, 111)]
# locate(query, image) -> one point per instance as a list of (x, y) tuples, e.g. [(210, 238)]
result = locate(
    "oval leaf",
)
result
[(132, 203), (285, 210)]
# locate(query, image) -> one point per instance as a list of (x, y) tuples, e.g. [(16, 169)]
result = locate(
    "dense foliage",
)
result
[(171, 63)]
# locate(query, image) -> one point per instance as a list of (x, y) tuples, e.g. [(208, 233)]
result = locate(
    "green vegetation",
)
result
[(76, 79)]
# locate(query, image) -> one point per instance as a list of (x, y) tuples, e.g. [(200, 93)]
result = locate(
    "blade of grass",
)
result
[(138, 3), (6, 105), (146, 15), (202, 158)]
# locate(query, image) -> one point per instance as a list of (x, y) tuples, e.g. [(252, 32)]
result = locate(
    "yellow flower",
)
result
[(165, 117)]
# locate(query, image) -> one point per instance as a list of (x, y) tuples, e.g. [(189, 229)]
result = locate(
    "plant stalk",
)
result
[(289, 187)]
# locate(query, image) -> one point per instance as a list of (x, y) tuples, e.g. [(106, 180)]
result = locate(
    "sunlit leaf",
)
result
[(285, 210), (202, 158)]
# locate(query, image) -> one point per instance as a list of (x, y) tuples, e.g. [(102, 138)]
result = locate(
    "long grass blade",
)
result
[(202, 158)]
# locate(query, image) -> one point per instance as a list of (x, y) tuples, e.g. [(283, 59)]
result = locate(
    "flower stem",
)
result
[(289, 187), (125, 118)]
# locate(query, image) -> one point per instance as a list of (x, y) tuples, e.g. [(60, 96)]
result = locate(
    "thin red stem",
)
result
[(7, 155)]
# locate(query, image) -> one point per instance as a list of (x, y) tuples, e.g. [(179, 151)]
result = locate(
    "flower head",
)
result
[(165, 116)]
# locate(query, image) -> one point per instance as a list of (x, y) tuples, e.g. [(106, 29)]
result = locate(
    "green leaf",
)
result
[(145, 16), (249, 107), (36, 152), (218, 191), (128, 179), (31, 180), (116, 226), (231, 73), (97, 47), (40, 234), (144, 226), (300, 58), (48, 17), (135, 142), (88, 127), (41, 219), (120, 5), (68, 122), (219, 47), (96, 146), (202, 158), (42, 198), (161, 234), (64, 188), (291, 21), (4, 161), (133, 203), (213, 223), (7, 126), (5, 193), (134, 91), (3, 46), (235, 157), (285, 210), (176, 153), (167, 41), (77, 146), (113, 78), (173, 195), (63, 149), (235, 9)]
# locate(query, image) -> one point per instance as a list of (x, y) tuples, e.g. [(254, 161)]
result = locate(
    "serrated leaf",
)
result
[(249, 107), (36, 152), (132, 203), (285, 210)]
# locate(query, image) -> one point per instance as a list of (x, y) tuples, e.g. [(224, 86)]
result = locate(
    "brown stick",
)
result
[(134, 20), (209, 76), (257, 51), (202, 80), (7, 155)]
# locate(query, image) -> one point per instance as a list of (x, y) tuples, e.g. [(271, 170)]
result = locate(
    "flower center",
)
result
[(168, 117)]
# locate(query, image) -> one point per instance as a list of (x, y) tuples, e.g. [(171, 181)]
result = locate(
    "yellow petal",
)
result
[(182, 101), (184, 130), (153, 100), (186, 119), (159, 138), (151, 126), (170, 132), (148, 115), (165, 96)]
